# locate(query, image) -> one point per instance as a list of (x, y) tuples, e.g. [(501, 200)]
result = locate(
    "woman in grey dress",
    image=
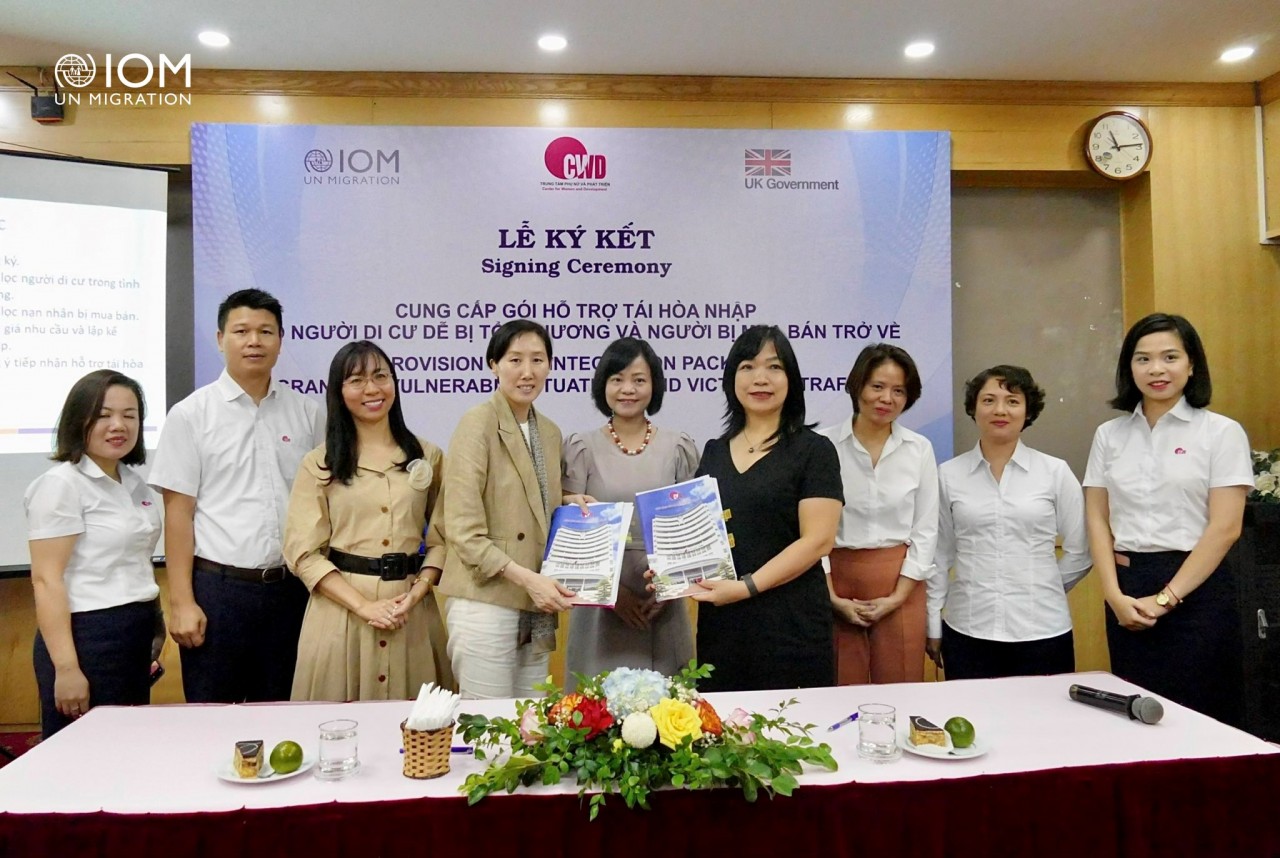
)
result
[(628, 455)]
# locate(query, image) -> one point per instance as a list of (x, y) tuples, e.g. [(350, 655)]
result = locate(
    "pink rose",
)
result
[(740, 720), (530, 726)]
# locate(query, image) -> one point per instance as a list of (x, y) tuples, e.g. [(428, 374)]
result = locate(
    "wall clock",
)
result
[(1118, 145)]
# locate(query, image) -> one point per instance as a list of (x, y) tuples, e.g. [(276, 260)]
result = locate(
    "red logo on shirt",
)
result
[(286, 439), (1178, 451), (673, 495), (146, 503)]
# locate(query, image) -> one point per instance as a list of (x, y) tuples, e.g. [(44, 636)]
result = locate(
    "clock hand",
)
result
[(1128, 145), (1114, 141)]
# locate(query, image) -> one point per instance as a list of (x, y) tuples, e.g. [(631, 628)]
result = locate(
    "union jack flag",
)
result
[(768, 162)]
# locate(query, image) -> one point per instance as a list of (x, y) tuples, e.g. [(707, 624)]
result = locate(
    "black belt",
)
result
[(389, 567), (274, 575)]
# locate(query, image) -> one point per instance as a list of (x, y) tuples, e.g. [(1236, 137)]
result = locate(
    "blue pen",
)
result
[(842, 722)]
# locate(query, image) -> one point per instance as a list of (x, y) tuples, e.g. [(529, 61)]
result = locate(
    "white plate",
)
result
[(950, 753), (227, 772)]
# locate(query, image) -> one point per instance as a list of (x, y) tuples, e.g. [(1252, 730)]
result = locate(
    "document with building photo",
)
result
[(584, 551), (685, 536)]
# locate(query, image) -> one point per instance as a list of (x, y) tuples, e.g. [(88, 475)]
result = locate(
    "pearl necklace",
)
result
[(648, 434)]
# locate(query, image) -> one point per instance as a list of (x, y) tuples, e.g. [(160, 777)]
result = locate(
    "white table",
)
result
[(162, 759)]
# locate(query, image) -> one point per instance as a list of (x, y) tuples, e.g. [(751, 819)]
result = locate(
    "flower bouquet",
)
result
[(1266, 476), (633, 731)]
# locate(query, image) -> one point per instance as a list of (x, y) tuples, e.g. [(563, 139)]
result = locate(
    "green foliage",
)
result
[(764, 754)]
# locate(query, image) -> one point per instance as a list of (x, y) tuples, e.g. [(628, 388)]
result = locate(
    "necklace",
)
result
[(648, 434), (751, 445)]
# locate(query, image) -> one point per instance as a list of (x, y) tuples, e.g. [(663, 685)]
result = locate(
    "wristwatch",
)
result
[(1164, 601)]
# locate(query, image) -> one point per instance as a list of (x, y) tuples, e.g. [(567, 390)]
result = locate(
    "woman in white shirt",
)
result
[(1165, 492), (1002, 507), (93, 524), (889, 526)]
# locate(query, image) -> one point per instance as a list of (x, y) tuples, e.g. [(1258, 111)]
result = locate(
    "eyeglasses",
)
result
[(381, 378)]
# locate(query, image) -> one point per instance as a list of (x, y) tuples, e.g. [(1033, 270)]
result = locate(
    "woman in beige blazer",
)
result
[(501, 485)]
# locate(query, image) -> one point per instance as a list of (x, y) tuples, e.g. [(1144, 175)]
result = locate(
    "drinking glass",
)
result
[(339, 750), (878, 732)]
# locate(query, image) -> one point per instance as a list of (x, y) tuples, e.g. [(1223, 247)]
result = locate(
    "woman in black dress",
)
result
[(782, 496)]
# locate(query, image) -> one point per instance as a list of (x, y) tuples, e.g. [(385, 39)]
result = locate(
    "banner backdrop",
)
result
[(424, 239)]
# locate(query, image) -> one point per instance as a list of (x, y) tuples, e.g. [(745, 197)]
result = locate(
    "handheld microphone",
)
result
[(1148, 710)]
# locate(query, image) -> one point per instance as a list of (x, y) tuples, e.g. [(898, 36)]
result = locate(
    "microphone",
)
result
[(1148, 710)]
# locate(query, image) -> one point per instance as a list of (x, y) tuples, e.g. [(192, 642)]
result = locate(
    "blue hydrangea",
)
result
[(630, 690)]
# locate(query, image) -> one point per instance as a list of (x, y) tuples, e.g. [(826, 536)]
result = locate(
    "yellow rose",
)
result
[(675, 720)]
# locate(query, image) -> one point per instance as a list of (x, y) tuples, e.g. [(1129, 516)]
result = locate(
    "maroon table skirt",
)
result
[(1228, 806)]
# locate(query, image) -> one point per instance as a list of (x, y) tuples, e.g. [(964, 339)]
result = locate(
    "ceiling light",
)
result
[(214, 39), (1235, 55), (918, 50), (553, 43)]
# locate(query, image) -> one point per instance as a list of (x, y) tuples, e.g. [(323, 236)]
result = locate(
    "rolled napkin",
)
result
[(434, 709)]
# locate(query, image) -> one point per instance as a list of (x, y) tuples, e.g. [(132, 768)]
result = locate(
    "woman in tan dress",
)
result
[(359, 506)]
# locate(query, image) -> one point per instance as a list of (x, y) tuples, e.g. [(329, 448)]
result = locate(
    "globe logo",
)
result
[(75, 70), (318, 161)]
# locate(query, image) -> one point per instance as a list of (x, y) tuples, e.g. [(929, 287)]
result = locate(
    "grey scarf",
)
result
[(537, 628)]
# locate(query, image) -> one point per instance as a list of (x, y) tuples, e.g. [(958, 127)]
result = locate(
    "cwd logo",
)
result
[(566, 158)]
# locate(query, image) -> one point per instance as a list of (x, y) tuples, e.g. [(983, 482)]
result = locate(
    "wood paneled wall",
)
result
[(1189, 228)]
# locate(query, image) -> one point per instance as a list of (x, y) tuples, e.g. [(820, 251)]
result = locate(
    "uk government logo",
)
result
[(573, 167), (121, 79), (770, 170), (351, 167)]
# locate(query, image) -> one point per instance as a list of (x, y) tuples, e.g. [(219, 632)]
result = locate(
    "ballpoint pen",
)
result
[(842, 722)]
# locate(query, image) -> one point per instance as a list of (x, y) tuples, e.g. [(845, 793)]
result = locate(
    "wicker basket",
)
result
[(426, 752)]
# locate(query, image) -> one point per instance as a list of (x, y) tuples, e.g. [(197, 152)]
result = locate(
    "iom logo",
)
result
[(566, 158), (351, 167)]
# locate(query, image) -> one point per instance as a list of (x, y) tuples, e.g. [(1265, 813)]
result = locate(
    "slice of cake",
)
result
[(248, 758), (925, 732)]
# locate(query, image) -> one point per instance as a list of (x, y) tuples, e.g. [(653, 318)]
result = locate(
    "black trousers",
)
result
[(113, 647), (250, 641), (966, 657), (1192, 655)]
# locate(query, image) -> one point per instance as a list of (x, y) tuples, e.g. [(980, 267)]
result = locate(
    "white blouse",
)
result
[(118, 525), (1158, 479), (893, 503), (1001, 537)]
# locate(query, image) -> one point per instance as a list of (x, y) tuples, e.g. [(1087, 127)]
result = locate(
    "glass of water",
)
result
[(878, 732), (339, 750)]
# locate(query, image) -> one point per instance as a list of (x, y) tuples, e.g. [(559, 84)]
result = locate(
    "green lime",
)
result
[(960, 730), (286, 757)]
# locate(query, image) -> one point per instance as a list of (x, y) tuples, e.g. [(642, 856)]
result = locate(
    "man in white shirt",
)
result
[(225, 464)]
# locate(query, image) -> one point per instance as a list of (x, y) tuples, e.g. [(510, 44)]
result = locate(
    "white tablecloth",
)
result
[(163, 759)]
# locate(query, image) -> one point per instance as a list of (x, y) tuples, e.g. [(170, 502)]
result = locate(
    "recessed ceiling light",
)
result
[(918, 50), (214, 39), (553, 42), (1235, 55)]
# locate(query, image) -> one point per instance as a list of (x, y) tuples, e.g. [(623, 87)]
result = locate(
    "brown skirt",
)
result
[(892, 650)]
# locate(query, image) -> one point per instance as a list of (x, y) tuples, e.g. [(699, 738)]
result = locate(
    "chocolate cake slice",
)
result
[(925, 732), (248, 758)]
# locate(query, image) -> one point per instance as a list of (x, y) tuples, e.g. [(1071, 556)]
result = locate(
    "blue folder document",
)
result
[(685, 536), (584, 550)]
